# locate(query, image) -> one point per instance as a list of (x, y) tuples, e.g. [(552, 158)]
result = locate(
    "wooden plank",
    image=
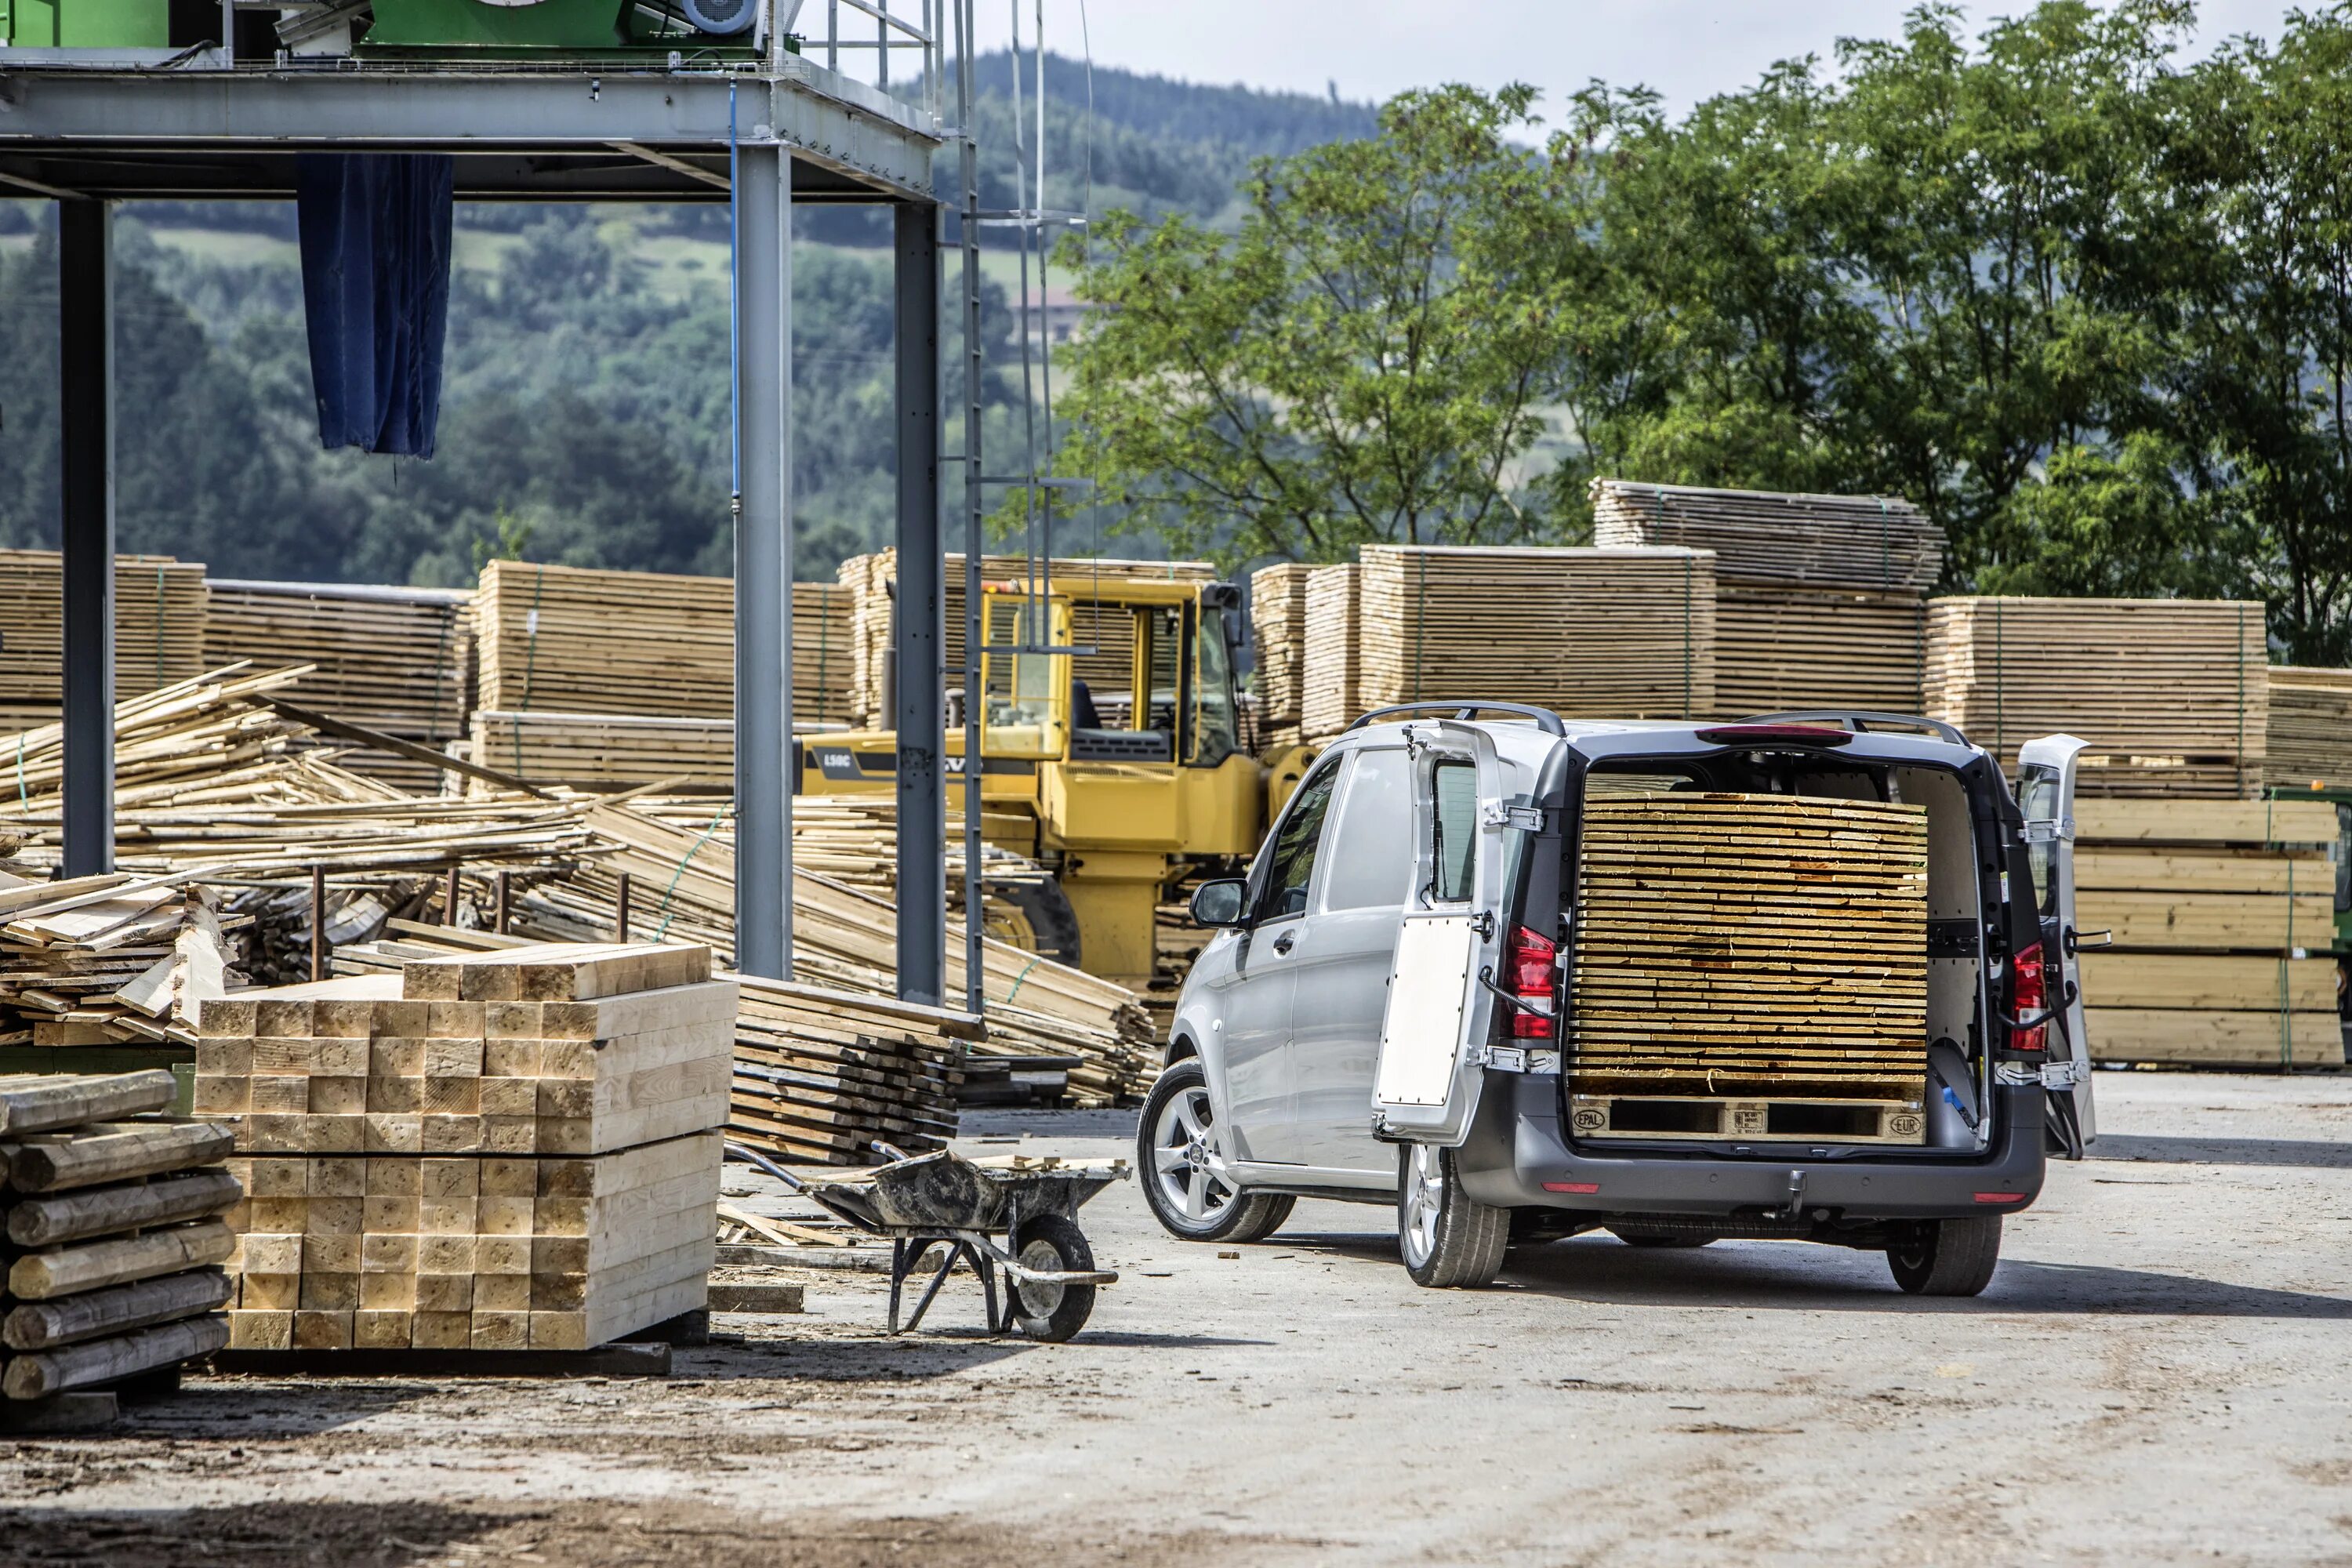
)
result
[(42, 1372), (101, 1211), (43, 1325), (114, 1151), (39, 1105), (2237, 1039), (38, 1276), (2206, 982)]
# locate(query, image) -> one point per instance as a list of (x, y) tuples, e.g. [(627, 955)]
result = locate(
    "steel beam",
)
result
[(763, 562), (921, 704), (85, 421)]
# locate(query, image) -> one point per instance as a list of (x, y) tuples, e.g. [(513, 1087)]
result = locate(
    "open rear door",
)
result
[(2045, 796), (1440, 1003)]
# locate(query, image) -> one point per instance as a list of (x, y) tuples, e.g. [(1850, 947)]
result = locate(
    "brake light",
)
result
[(2028, 995), (1531, 959), (1771, 734)]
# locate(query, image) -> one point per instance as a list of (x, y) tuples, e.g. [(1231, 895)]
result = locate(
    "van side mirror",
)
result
[(1224, 902)]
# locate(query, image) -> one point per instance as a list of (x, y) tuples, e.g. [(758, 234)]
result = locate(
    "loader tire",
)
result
[(1041, 919)]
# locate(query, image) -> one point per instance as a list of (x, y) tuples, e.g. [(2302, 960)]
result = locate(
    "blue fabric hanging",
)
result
[(375, 286)]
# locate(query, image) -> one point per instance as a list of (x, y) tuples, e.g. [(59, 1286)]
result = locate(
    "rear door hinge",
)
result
[(1526, 818)]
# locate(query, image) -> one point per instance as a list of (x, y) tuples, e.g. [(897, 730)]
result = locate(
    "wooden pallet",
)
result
[(1777, 1120)]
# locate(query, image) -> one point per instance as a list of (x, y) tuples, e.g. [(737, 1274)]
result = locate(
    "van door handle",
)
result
[(1285, 943)]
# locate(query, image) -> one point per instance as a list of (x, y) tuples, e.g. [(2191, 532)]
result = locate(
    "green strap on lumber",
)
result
[(1687, 636), (2238, 657), (1419, 628), (159, 630), (663, 909), (530, 668), (1020, 978)]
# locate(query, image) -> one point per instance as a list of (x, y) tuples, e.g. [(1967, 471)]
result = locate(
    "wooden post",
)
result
[(318, 922), (449, 900), (621, 921), (506, 900)]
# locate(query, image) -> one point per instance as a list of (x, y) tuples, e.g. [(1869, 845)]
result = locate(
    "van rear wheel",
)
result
[(1449, 1239), (1948, 1256)]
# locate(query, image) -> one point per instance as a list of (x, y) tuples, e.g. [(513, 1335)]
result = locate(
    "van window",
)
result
[(1371, 844), (1290, 860), (1454, 829)]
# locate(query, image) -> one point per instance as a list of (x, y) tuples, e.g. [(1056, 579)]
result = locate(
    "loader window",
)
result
[(1454, 829), (1216, 732)]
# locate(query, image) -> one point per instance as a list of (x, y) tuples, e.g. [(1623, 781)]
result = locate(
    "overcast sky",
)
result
[(1688, 49)]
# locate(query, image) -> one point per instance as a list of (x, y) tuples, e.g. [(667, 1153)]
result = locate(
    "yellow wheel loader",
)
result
[(1122, 771)]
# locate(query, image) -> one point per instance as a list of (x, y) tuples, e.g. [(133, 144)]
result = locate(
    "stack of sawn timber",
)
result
[(2212, 904), (508, 1150), (1820, 600), (394, 660), (113, 1232), (1330, 664), (1587, 633), (1757, 950), (2172, 694), (1279, 640), (2309, 728), (820, 1075), (605, 750), (106, 959), (158, 629)]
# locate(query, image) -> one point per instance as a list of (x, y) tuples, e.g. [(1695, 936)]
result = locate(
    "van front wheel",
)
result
[(1948, 1256), (1448, 1238)]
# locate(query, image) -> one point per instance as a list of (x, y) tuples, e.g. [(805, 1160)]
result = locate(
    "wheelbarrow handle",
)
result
[(753, 1157), (1021, 1270)]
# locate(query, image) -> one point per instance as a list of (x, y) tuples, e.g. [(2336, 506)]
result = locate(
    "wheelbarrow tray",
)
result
[(942, 1191)]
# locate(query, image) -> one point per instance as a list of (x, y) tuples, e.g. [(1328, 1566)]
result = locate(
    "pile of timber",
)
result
[(2308, 729), (1278, 639), (1331, 665), (508, 1150), (1587, 633), (605, 750), (106, 959), (572, 639), (158, 629), (394, 660), (1758, 949), (2215, 906), (114, 1232), (2172, 694), (215, 732)]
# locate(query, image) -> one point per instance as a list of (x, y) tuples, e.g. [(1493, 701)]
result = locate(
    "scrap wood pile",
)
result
[(505, 1150), (2213, 905), (158, 629), (1587, 633), (395, 659), (2308, 728), (2172, 694), (108, 960), (1278, 637), (113, 1216), (1330, 667)]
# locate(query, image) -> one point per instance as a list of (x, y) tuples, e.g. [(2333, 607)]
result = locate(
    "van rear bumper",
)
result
[(1516, 1157)]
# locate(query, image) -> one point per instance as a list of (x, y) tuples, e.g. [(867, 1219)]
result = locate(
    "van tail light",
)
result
[(1532, 958), (2028, 995)]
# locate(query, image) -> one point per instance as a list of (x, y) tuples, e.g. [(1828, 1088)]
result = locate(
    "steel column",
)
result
[(86, 420), (763, 563), (921, 704)]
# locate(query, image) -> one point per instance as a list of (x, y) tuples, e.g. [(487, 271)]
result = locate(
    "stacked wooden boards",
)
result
[(605, 750), (1820, 600), (1279, 640), (1330, 662), (2308, 733), (1587, 633), (158, 629), (394, 660), (113, 1231), (820, 1074), (508, 1150), (1765, 952), (2172, 694), (578, 640), (105, 960), (2213, 905)]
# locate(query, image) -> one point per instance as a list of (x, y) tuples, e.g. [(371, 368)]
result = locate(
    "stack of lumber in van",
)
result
[(2213, 905), (394, 660), (869, 581), (2172, 694), (1587, 633), (158, 629), (114, 1232), (1330, 662), (517, 1149), (2309, 730), (106, 959), (1756, 948), (573, 639), (1278, 639), (605, 750)]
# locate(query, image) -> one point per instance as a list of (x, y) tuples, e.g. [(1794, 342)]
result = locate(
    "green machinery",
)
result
[(504, 28)]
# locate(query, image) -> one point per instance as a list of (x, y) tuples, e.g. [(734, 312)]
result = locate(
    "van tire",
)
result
[(1244, 1216), (1448, 1239), (1948, 1256)]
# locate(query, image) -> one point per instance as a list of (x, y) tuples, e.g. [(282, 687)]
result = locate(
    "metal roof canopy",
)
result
[(92, 130)]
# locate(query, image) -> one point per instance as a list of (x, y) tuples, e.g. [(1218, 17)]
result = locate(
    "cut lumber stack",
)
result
[(106, 959), (158, 629), (821, 1074), (1278, 639), (1587, 633), (394, 660), (2308, 730), (509, 1149), (2172, 694), (1330, 667), (114, 1232), (605, 750), (1765, 950), (2213, 905)]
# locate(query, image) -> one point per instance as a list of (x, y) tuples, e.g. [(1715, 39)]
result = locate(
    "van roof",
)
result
[(1524, 740)]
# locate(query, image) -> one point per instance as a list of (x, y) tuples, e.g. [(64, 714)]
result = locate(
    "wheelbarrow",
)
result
[(942, 1199)]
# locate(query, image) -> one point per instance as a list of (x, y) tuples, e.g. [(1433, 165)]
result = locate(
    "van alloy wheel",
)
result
[(1425, 1200), (1447, 1239), (1186, 1162)]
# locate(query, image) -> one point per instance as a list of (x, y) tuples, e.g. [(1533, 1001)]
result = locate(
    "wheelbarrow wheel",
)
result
[(1045, 1312)]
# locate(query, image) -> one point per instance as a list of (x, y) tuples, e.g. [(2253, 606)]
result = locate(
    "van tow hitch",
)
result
[(1796, 1205)]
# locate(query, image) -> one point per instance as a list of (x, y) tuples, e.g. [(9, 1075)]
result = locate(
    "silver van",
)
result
[(1383, 1012)]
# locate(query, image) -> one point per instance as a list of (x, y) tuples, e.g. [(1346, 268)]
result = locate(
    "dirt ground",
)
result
[(2157, 1376)]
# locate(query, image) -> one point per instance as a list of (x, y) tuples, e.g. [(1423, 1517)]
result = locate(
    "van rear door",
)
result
[(2045, 797)]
